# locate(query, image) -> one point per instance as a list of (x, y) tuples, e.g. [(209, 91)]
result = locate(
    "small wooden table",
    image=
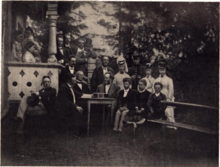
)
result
[(104, 101)]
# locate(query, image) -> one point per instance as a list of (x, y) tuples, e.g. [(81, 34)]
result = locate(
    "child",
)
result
[(126, 103), (141, 110), (150, 80), (157, 109)]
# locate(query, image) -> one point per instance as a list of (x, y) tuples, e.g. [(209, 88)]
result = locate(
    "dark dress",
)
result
[(142, 99), (136, 70), (158, 108)]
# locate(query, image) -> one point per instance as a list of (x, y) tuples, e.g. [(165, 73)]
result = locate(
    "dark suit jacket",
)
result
[(48, 96), (136, 70), (67, 52), (63, 75), (64, 105), (142, 99), (112, 92), (130, 100), (84, 90), (98, 77)]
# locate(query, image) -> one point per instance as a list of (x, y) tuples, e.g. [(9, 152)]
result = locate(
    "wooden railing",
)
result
[(188, 126)]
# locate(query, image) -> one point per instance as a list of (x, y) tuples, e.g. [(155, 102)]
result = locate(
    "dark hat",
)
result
[(17, 32), (88, 42), (122, 62), (162, 65), (29, 29), (148, 65), (135, 54), (28, 44)]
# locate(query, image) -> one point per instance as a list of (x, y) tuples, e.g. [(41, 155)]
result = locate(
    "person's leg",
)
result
[(22, 108), (141, 121), (169, 112), (117, 117), (124, 113)]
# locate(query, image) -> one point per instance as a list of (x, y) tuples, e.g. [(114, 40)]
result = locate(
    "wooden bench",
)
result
[(187, 126)]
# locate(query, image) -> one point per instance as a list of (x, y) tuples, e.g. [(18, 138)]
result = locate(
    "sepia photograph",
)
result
[(109, 83)]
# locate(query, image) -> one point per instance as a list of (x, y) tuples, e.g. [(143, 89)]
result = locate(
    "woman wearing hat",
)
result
[(29, 55), (149, 79), (167, 90), (118, 78)]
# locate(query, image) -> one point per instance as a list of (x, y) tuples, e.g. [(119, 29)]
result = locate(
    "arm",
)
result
[(149, 103), (94, 80), (80, 59), (170, 90)]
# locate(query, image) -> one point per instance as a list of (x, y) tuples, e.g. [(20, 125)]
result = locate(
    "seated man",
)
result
[(68, 114), (44, 99), (126, 102), (141, 110), (81, 86), (157, 109), (108, 86)]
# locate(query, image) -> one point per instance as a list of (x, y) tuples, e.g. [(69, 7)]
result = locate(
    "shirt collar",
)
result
[(141, 91), (163, 76), (126, 90), (157, 94)]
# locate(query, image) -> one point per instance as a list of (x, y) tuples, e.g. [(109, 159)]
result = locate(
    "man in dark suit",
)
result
[(108, 86), (81, 86), (68, 113), (69, 68), (126, 103), (137, 71), (98, 74)]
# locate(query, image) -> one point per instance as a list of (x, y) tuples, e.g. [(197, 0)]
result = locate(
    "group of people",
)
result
[(136, 93)]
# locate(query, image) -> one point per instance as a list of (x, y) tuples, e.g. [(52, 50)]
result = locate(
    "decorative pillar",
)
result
[(52, 18)]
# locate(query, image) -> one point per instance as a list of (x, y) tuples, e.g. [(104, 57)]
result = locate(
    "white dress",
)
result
[(150, 83), (118, 79)]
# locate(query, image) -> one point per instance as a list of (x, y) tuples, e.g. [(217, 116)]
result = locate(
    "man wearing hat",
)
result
[(118, 78), (167, 90), (149, 79), (98, 73), (137, 71), (38, 103), (88, 48)]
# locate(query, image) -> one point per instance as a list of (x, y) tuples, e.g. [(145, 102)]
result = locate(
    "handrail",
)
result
[(47, 65), (188, 105)]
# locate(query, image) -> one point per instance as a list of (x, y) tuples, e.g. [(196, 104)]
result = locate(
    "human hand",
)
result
[(79, 109), (138, 77)]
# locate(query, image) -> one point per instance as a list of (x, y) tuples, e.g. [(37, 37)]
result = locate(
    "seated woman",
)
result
[(126, 103), (157, 109), (29, 55), (138, 116)]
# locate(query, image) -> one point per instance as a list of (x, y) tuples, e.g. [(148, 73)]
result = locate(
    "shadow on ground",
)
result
[(152, 147)]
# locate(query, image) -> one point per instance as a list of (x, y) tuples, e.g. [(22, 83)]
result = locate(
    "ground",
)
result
[(152, 147)]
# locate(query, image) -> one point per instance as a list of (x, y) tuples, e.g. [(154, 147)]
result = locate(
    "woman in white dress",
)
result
[(167, 90)]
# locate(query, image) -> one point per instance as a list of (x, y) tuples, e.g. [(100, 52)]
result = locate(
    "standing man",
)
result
[(118, 78), (69, 68), (149, 79), (67, 112), (167, 90), (60, 51), (98, 73), (136, 71), (68, 51)]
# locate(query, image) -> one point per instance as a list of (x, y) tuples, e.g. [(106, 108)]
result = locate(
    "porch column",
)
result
[(52, 18)]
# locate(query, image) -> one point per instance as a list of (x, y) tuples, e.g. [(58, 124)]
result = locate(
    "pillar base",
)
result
[(52, 59)]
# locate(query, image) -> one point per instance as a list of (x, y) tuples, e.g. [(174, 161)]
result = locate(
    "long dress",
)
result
[(168, 91)]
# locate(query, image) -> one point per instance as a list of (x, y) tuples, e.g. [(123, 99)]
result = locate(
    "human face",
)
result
[(126, 85), (141, 86), (80, 44), (162, 71), (46, 82), (72, 62), (157, 88), (73, 80), (121, 68), (27, 34), (107, 79), (136, 61), (19, 38), (148, 72), (80, 76), (60, 42), (67, 40), (105, 61)]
